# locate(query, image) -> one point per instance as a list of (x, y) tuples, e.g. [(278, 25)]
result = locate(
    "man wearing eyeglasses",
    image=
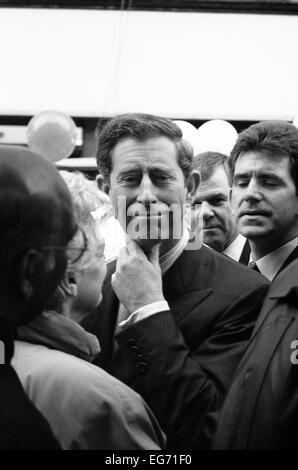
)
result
[(182, 314), (36, 226)]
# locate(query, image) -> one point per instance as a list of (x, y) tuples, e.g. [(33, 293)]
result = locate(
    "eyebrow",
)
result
[(129, 169), (210, 194), (163, 169), (260, 174), (138, 169), (243, 173)]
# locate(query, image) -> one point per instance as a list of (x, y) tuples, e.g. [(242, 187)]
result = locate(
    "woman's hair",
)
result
[(86, 199), (86, 196)]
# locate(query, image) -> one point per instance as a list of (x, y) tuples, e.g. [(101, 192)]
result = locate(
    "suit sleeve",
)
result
[(185, 385)]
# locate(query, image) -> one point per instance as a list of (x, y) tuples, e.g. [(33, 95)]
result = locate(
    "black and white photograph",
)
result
[(149, 228)]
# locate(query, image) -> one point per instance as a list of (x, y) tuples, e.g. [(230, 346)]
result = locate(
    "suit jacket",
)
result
[(182, 361), (261, 407)]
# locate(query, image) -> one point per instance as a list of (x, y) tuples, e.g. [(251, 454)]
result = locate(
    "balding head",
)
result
[(35, 211)]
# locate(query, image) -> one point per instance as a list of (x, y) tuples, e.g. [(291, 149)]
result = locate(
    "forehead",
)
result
[(154, 152), (218, 181), (262, 162)]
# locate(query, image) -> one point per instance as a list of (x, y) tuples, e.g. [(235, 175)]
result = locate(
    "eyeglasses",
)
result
[(75, 248)]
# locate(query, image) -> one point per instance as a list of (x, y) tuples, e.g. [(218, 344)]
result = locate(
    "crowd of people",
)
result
[(171, 344)]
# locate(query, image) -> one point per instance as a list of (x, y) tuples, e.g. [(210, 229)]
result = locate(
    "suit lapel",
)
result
[(183, 284), (186, 303), (105, 318)]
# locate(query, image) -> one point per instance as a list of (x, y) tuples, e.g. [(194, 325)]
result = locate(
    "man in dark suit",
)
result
[(265, 193), (261, 408), (36, 225), (185, 313), (212, 203)]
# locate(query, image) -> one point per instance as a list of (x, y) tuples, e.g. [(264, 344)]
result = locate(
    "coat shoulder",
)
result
[(225, 270)]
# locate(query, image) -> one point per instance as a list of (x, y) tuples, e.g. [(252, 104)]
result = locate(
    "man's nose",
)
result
[(252, 192), (207, 210), (146, 192)]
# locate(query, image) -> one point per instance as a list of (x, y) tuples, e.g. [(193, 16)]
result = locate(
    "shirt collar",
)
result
[(59, 332), (235, 248), (270, 264)]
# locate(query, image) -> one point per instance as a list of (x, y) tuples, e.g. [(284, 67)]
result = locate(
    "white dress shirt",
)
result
[(234, 249)]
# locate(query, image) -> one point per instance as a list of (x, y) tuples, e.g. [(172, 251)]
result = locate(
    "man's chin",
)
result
[(253, 232), (147, 244)]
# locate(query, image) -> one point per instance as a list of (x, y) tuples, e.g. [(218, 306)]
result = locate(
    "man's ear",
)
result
[(193, 183), (69, 284), (30, 269), (102, 184)]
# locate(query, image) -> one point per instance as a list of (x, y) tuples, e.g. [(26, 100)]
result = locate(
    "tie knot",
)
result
[(253, 265)]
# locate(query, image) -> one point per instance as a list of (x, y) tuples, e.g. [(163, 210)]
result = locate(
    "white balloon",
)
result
[(295, 122), (52, 134), (216, 136), (189, 132)]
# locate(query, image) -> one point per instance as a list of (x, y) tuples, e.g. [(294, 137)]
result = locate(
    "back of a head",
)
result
[(275, 138), (35, 210), (34, 200), (140, 127), (207, 162)]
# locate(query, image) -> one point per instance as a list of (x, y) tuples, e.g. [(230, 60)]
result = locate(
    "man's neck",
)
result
[(165, 246), (260, 248), (230, 240)]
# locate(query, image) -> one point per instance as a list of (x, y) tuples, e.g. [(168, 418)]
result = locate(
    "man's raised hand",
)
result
[(137, 281)]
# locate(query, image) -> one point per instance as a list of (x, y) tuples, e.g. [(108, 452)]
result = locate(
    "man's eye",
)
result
[(270, 183), (196, 204), (161, 177), (218, 201), (241, 183), (130, 179)]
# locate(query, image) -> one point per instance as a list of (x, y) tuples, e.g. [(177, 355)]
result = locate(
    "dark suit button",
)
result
[(142, 367), (131, 342)]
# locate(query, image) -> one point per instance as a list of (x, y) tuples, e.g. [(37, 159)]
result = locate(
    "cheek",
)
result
[(120, 199), (235, 199), (180, 193), (94, 276), (173, 195), (227, 216)]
